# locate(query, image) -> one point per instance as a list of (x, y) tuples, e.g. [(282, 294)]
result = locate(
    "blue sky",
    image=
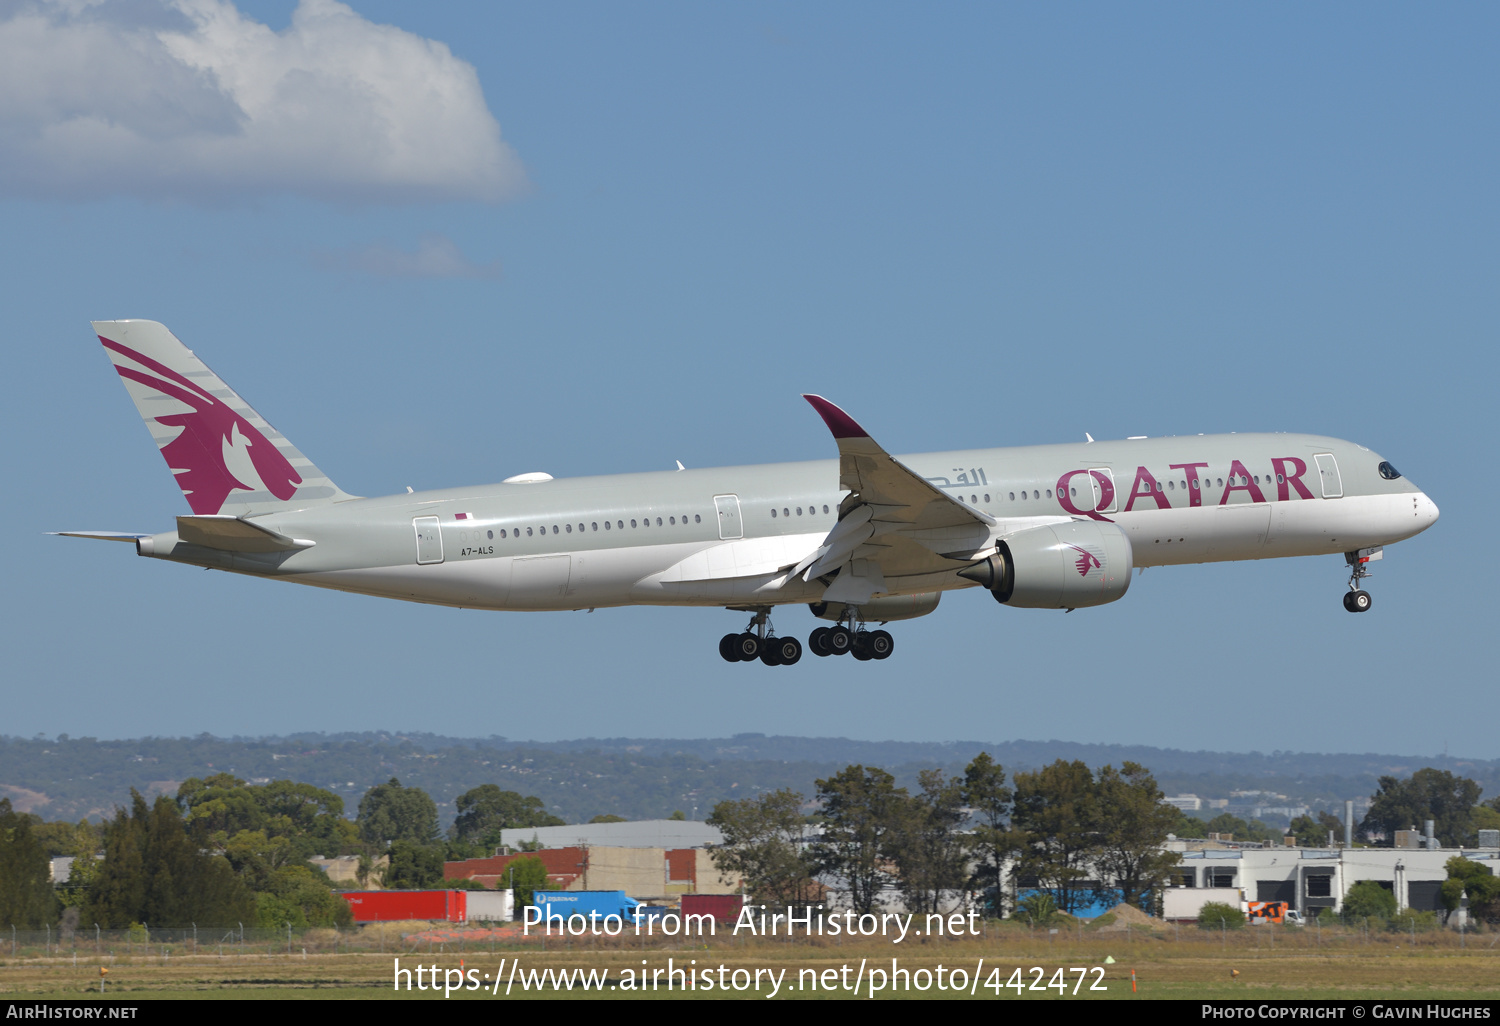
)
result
[(444, 244)]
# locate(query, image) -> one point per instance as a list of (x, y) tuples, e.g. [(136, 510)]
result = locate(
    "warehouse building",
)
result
[(647, 859)]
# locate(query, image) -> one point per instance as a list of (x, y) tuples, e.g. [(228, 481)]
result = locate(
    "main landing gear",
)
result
[(861, 644), (1356, 600), (759, 641)]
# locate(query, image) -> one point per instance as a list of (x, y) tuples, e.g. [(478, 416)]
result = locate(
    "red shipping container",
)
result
[(723, 907), (390, 906)]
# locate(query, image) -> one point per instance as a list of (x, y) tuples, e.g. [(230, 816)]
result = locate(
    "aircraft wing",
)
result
[(895, 522)]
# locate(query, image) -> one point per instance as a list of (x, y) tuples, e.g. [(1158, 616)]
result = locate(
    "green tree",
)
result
[(307, 820), (1189, 826), (302, 897), (1057, 811), (608, 817), (1313, 832), (527, 874), (1134, 822), (861, 813), (1215, 915), (764, 846), (1485, 818), (1438, 795), (1466, 876), (1368, 900), (485, 810), (153, 872), (414, 867), (1037, 909), (929, 851), (992, 841), (26, 897), (389, 812), (85, 868)]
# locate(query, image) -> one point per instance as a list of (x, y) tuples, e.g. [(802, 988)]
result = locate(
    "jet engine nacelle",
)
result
[(1059, 566), (884, 609)]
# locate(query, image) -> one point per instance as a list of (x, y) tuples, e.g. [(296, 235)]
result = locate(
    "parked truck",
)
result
[(566, 904)]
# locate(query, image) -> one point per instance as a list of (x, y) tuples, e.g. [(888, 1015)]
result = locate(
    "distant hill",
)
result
[(639, 778)]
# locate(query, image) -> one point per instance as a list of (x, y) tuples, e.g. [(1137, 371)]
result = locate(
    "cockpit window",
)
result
[(1389, 472)]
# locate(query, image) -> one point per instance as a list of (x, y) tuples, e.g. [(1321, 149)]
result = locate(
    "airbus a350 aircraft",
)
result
[(868, 538)]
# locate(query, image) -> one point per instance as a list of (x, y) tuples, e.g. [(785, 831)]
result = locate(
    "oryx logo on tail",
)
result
[(216, 450)]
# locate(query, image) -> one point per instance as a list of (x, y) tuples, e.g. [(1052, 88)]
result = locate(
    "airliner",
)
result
[(863, 540)]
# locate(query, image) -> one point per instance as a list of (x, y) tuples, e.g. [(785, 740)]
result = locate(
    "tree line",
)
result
[(1063, 831), (222, 851)]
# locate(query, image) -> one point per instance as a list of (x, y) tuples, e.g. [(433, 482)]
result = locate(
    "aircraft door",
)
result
[(1102, 479), (429, 540), (1328, 473), (728, 507)]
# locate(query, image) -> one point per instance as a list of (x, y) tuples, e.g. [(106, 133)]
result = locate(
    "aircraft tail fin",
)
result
[(227, 458)]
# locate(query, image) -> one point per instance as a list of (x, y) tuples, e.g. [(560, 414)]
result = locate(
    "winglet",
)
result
[(840, 423)]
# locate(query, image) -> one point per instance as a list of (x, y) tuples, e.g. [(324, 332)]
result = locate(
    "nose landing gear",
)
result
[(1357, 600)]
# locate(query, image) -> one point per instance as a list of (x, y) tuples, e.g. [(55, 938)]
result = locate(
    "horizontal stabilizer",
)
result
[(120, 536), (231, 534)]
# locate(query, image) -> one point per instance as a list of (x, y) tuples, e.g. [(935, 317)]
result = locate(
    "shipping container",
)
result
[(723, 907), (1182, 904), (391, 906), (492, 906)]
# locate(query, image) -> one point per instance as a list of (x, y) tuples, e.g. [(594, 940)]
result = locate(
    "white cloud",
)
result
[(436, 257), (191, 99)]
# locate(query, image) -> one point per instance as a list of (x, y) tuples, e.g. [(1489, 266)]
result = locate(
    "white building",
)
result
[(1312, 879)]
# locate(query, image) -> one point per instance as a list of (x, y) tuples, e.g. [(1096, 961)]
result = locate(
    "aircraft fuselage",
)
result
[(727, 535)]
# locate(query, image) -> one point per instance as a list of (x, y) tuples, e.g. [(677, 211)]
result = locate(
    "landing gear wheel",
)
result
[(861, 647), (1357, 601), (788, 650), (729, 648), (818, 641), (838, 640), (748, 646), (881, 644), (770, 652)]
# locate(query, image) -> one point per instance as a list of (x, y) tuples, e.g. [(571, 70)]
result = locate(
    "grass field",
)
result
[(1272, 963)]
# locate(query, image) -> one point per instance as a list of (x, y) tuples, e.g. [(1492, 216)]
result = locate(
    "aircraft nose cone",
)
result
[(1427, 510)]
